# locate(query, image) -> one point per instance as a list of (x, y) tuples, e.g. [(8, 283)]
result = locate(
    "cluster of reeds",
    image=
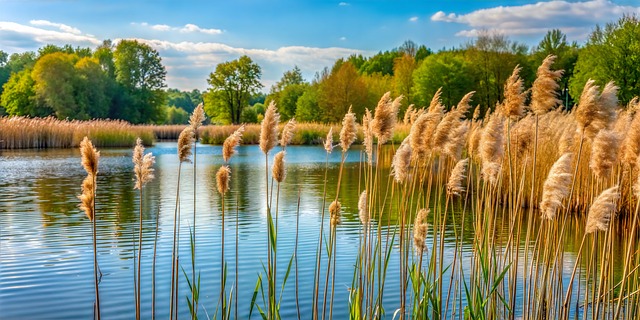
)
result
[(526, 177), (42, 133)]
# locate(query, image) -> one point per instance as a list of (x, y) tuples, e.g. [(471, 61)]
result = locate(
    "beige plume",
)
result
[(556, 187)]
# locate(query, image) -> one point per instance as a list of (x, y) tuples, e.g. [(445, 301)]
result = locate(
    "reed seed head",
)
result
[(604, 152), (556, 187), (454, 185), (222, 178), (384, 119), (544, 92), (197, 117), (87, 196), (185, 140), (278, 171), (420, 228), (435, 106), (401, 161), (90, 156), (514, 95), (603, 207), (287, 132), (408, 114), (328, 142), (363, 209), (368, 135), (143, 165), (348, 131), (269, 128), (231, 142), (334, 211)]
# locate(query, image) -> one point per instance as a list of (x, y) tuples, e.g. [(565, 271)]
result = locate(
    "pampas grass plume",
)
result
[(287, 132), (328, 142), (556, 187), (269, 128), (420, 227), (603, 207), (514, 95), (544, 94), (230, 144), (363, 209), (334, 210), (87, 196), (90, 156), (222, 179), (384, 119), (454, 185), (185, 140), (143, 165), (401, 161), (197, 117), (348, 131), (278, 170)]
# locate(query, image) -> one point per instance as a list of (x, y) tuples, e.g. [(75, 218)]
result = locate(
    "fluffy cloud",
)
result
[(17, 33), (574, 18), (62, 27), (413, 19), (187, 28)]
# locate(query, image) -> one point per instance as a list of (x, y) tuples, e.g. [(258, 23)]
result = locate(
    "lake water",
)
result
[(46, 259)]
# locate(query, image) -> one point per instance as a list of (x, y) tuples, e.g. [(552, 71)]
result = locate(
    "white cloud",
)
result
[(343, 38), (343, 4), (573, 18), (187, 28), (413, 19), (12, 30), (62, 27)]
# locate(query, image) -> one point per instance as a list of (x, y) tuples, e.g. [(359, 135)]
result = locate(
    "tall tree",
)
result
[(139, 70), (19, 97), (55, 80), (286, 91), (448, 70), (341, 90), (403, 68), (612, 53), (234, 82)]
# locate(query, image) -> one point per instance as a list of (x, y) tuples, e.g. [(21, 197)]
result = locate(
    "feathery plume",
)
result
[(457, 138), (522, 135), (197, 117), (334, 210), (287, 132), (474, 141), (395, 105), (143, 165), (185, 140), (603, 207), (231, 142), (278, 171), (556, 187), (222, 179), (87, 196), (90, 156), (492, 148), (328, 142), (401, 161), (636, 185), (632, 141), (454, 185), (514, 95), (567, 139), (420, 227), (363, 209), (421, 132), (544, 92), (368, 135), (435, 106), (269, 128), (348, 131), (604, 152), (408, 114), (445, 130), (384, 119), (476, 113), (596, 111)]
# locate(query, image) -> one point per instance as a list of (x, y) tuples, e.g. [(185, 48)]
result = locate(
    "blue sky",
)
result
[(193, 36)]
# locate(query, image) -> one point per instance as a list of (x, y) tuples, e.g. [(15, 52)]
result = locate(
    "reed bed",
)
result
[(525, 176), (43, 133)]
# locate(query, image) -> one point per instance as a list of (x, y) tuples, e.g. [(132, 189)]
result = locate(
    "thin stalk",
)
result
[(139, 261), (173, 249), (95, 251)]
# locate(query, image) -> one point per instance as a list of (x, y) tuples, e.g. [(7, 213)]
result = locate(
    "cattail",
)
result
[(556, 187), (269, 128), (436, 104), (420, 227), (544, 94), (143, 165), (222, 179), (384, 119), (278, 170), (408, 114), (87, 196), (454, 185), (368, 135), (334, 210), (603, 207), (401, 161), (514, 95), (363, 209), (287, 132), (231, 142), (197, 117), (348, 131), (90, 156), (328, 142), (185, 140), (604, 152)]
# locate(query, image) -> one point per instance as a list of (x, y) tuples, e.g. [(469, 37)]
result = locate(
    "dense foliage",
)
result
[(125, 81)]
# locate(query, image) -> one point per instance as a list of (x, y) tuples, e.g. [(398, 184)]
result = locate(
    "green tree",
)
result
[(307, 109), (19, 97), (233, 83), (446, 69), (382, 63), (55, 80), (286, 91), (139, 70), (403, 68), (91, 88), (612, 53), (176, 115)]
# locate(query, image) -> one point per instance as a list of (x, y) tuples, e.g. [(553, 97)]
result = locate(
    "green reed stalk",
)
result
[(174, 251), (153, 269), (139, 260)]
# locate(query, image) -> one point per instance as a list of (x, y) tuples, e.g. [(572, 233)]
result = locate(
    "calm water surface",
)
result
[(46, 260)]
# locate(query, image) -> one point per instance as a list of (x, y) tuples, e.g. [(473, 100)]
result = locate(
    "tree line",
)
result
[(127, 80)]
